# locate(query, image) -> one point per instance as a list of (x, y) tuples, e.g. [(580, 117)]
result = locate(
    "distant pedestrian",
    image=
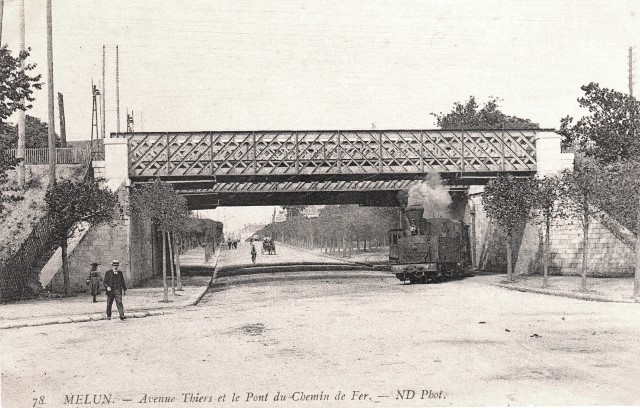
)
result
[(229, 242), (235, 244), (94, 280), (254, 253), (116, 287)]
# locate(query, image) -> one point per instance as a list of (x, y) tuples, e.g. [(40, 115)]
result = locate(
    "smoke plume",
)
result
[(432, 195)]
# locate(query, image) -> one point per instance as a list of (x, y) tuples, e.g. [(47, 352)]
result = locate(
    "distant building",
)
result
[(248, 230), (312, 211), (279, 215)]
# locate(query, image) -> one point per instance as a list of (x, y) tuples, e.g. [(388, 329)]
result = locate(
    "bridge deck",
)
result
[(278, 154)]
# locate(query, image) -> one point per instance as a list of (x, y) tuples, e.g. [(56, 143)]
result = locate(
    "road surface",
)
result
[(361, 341)]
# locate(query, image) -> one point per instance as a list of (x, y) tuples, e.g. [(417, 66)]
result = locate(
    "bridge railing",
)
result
[(330, 152), (79, 153)]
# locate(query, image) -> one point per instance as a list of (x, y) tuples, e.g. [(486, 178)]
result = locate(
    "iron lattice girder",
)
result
[(290, 153), (300, 187)]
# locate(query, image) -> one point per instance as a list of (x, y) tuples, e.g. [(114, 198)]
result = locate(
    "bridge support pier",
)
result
[(116, 159), (549, 157)]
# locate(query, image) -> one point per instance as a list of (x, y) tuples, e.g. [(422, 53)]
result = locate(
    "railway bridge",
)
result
[(368, 167), (298, 167)]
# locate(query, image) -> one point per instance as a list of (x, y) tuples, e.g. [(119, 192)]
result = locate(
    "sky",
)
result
[(335, 64)]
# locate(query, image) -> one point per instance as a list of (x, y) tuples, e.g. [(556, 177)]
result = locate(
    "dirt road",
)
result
[(456, 343)]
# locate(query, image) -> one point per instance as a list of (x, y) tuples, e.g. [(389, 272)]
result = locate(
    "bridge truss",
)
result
[(319, 166)]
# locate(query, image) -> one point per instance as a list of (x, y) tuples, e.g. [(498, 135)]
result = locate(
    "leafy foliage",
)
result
[(548, 203), (203, 229), (36, 134), (160, 203), (294, 210), (72, 202), (16, 84), (509, 201), (610, 131), (349, 221), (470, 115)]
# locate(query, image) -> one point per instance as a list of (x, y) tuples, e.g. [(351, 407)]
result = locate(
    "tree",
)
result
[(548, 204), (36, 134), (15, 83), (610, 131), (508, 201), (470, 115), (70, 203), (294, 210), (160, 203), (580, 188)]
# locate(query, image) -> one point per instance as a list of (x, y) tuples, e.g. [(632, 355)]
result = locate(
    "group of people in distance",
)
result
[(232, 243)]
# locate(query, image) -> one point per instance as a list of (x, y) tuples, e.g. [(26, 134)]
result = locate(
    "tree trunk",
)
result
[(636, 280), (344, 247), (585, 246), (65, 267), (164, 268), (545, 279), (173, 269), (509, 262), (179, 245)]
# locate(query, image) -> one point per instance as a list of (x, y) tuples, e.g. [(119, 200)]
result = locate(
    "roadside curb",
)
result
[(213, 276), (551, 292), (81, 319)]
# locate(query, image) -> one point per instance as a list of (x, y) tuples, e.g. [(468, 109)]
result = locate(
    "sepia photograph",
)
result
[(340, 203)]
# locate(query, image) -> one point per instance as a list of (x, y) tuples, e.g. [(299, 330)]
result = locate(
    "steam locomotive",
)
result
[(429, 249)]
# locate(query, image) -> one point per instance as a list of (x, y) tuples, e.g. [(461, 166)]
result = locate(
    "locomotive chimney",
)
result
[(414, 215)]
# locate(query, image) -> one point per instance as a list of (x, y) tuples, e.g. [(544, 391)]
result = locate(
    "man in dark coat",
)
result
[(116, 287)]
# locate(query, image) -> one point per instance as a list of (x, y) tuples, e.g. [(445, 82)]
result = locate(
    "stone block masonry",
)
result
[(127, 240), (610, 253)]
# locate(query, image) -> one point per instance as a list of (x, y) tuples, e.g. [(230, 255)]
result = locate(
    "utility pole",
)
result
[(1, 13), (631, 71), (94, 114), (21, 113), (52, 123), (102, 97), (63, 124), (118, 89)]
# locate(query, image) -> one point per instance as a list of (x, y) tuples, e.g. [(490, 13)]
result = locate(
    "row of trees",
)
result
[(335, 224), (167, 210), (604, 182), (71, 203)]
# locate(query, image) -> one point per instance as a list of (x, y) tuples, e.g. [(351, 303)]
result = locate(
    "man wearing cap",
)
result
[(116, 287)]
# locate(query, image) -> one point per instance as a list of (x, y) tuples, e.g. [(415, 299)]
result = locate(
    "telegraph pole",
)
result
[(63, 123), (102, 97), (51, 127), (631, 71), (21, 113), (1, 13), (94, 113), (118, 89)]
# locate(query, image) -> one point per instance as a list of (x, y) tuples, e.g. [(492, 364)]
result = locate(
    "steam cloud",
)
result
[(432, 195)]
